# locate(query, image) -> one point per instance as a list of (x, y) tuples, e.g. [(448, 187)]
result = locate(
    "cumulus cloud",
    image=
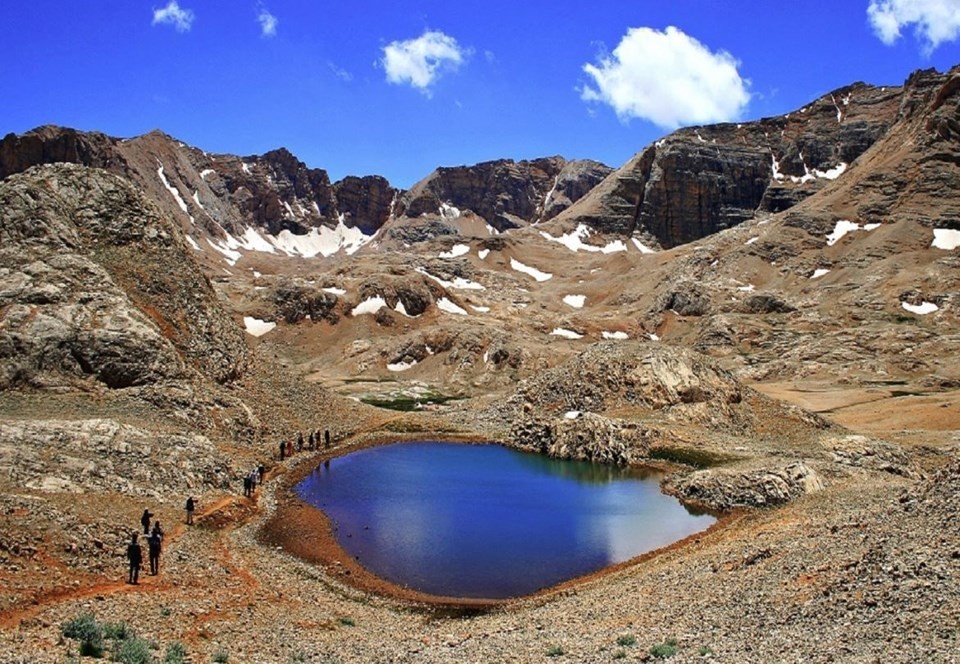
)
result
[(934, 21), (180, 19), (668, 78), (268, 22), (420, 62)]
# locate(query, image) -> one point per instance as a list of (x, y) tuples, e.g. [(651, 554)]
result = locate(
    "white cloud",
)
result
[(339, 72), (934, 21), (180, 19), (268, 22), (668, 78), (420, 62)]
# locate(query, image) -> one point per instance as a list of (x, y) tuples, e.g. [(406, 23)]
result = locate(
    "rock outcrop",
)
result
[(700, 180), (505, 193), (97, 283)]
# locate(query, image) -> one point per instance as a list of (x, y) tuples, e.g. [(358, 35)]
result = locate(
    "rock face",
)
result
[(726, 489), (698, 181), (95, 282), (507, 194)]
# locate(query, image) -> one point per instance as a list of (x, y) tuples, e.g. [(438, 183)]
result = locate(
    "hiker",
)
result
[(246, 485), (283, 450), (135, 556), (290, 448), (312, 442), (157, 530), (145, 521), (260, 473), (154, 543), (191, 505), (299, 441), (326, 437)]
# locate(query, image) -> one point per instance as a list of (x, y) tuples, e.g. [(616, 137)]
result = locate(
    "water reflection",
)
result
[(486, 521)]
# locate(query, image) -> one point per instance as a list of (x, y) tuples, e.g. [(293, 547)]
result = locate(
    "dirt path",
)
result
[(100, 586)]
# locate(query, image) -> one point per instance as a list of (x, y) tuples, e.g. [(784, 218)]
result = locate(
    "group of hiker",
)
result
[(253, 479), (154, 536), (154, 539), (312, 442)]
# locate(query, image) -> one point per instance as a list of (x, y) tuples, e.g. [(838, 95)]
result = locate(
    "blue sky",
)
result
[(398, 88)]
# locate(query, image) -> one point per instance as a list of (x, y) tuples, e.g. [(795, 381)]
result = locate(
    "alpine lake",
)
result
[(482, 521)]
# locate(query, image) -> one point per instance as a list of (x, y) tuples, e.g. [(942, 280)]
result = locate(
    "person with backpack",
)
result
[(154, 543)]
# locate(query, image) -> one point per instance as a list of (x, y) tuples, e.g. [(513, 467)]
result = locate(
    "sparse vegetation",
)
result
[(555, 651), (133, 650), (627, 640), (221, 656), (705, 651), (176, 654), (117, 631), (664, 650), (85, 629), (348, 621), (688, 456), (620, 654)]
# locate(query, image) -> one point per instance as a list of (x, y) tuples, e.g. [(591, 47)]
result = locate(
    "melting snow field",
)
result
[(456, 250), (565, 333), (843, 227), (618, 335), (401, 366), (532, 271), (574, 241), (446, 305), (946, 238), (458, 283), (644, 249), (256, 327), (575, 301), (369, 306), (920, 309), (323, 241)]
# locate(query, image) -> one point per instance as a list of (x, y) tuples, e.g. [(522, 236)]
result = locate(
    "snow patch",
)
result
[(618, 335), (831, 173), (653, 337), (819, 272), (402, 310), (480, 310), (575, 301), (492, 231), (446, 305), (192, 242), (256, 327), (571, 415), (458, 283), (565, 333), (369, 306), (401, 366), (231, 255), (456, 250), (483, 253), (173, 190), (752, 240), (749, 288), (246, 167), (322, 240), (574, 241), (532, 271), (920, 309), (843, 227), (947, 239), (205, 172), (644, 249), (334, 290), (447, 211)]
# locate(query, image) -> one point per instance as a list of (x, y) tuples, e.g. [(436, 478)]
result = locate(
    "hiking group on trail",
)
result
[(154, 546), (251, 481)]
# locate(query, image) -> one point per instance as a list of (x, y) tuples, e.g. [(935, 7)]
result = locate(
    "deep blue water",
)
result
[(484, 521)]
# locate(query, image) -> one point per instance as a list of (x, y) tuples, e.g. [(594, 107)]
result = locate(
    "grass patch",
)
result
[(348, 621), (627, 640), (133, 650), (555, 651), (176, 654), (689, 456), (221, 656), (407, 403)]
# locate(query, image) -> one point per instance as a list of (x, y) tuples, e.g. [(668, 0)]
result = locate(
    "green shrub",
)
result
[(117, 631), (133, 650), (555, 651), (664, 650), (176, 654), (705, 651), (84, 628), (620, 654), (221, 656), (348, 621), (627, 640)]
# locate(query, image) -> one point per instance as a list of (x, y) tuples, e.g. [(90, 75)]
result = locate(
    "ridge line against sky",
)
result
[(399, 88)]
